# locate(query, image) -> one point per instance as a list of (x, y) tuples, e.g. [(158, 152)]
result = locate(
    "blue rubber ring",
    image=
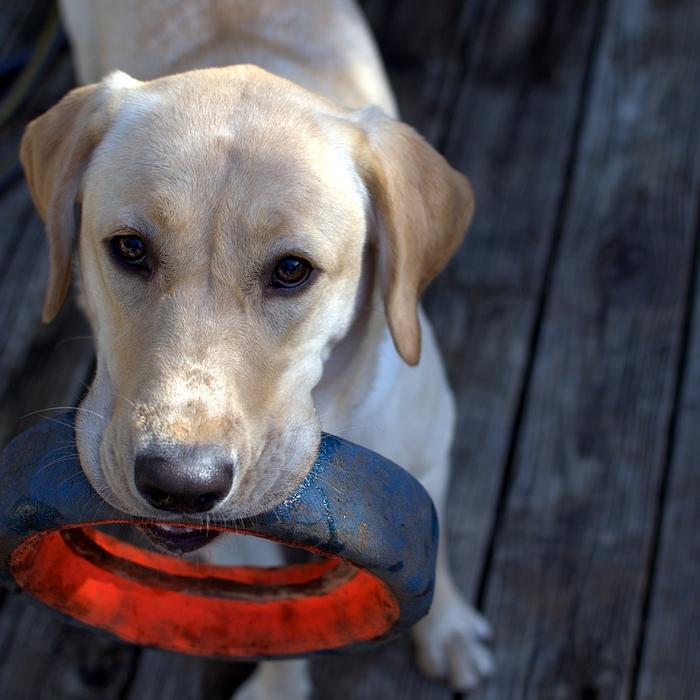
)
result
[(353, 504)]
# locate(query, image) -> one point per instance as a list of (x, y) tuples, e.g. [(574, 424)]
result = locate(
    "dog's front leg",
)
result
[(277, 680), (451, 640)]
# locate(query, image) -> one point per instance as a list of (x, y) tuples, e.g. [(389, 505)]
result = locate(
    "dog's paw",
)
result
[(451, 644), (277, 680)]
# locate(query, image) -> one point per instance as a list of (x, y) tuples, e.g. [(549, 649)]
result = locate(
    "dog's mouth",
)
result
[(179, 539)]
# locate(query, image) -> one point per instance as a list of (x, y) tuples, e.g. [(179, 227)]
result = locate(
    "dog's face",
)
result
[(225, 217)]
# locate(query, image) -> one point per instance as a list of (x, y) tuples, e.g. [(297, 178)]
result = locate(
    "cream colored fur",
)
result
[(224, 170)]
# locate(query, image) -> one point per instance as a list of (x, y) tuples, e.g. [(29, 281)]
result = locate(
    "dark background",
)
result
[(568, 320)]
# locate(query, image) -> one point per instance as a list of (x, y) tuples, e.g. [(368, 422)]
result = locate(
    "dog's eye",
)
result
[(130, 250), (290, 272)]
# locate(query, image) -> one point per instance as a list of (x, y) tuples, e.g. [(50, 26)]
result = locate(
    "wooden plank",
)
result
[(669, 664), (671, 644), (21, 287), (565, 592), (45, 659), (512, 133), (426, 49), (165, 676), (53, 82)]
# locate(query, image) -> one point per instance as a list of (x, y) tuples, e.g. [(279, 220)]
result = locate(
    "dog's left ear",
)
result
[(54, 151), (422, 208)]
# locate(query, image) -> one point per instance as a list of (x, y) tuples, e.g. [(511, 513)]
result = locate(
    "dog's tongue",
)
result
[(178, 538)]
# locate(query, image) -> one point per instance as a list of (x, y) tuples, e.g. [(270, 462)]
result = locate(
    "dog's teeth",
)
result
[(174, 528)]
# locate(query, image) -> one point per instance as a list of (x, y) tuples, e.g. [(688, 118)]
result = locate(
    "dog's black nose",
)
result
[(191, 486)]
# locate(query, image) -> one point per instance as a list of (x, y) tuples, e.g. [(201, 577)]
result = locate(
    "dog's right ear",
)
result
[(55, 152)]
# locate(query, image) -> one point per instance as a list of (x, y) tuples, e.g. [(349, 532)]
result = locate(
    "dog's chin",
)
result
[(178, 539)]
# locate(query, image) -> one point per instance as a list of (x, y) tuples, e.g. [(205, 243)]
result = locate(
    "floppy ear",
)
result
[(55, 151), (422, 208)]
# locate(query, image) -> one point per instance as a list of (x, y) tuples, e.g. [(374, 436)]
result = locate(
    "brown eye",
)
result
[(290, 272), (130, 250)]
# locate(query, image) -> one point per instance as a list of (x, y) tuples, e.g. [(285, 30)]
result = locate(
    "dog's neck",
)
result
[(351, 370)]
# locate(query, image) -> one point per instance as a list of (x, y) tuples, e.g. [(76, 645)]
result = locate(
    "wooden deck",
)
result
[(570, 322)]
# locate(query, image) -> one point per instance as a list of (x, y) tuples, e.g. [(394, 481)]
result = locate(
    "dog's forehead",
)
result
[(195, 150)]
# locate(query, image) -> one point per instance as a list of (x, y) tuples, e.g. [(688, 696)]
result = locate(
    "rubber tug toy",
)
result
[(372, 523)]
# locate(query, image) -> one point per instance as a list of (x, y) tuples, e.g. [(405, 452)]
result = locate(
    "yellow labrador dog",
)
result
[(255, 231)]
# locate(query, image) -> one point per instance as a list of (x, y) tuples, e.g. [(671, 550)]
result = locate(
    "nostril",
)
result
[(191, 486)]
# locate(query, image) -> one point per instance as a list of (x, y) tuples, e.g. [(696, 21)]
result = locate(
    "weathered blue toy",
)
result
[(373, 524)]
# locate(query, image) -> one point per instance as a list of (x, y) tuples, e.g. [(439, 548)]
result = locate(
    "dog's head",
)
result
[(224, 219)]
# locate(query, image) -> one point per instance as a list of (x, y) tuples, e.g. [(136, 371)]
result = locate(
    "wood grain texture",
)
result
[(44, 658), (165, 676), (426, 48), (566, 589), (669, 663), (513, 133)]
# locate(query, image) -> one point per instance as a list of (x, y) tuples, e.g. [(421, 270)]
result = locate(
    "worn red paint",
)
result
[(337, 611)]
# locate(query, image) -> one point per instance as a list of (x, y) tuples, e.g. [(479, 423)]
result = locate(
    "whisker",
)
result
[(87, 505), (67, 425), (62, 408), (60, 447), (69, 477), (73, 338), (66, 458), (128, 400)]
